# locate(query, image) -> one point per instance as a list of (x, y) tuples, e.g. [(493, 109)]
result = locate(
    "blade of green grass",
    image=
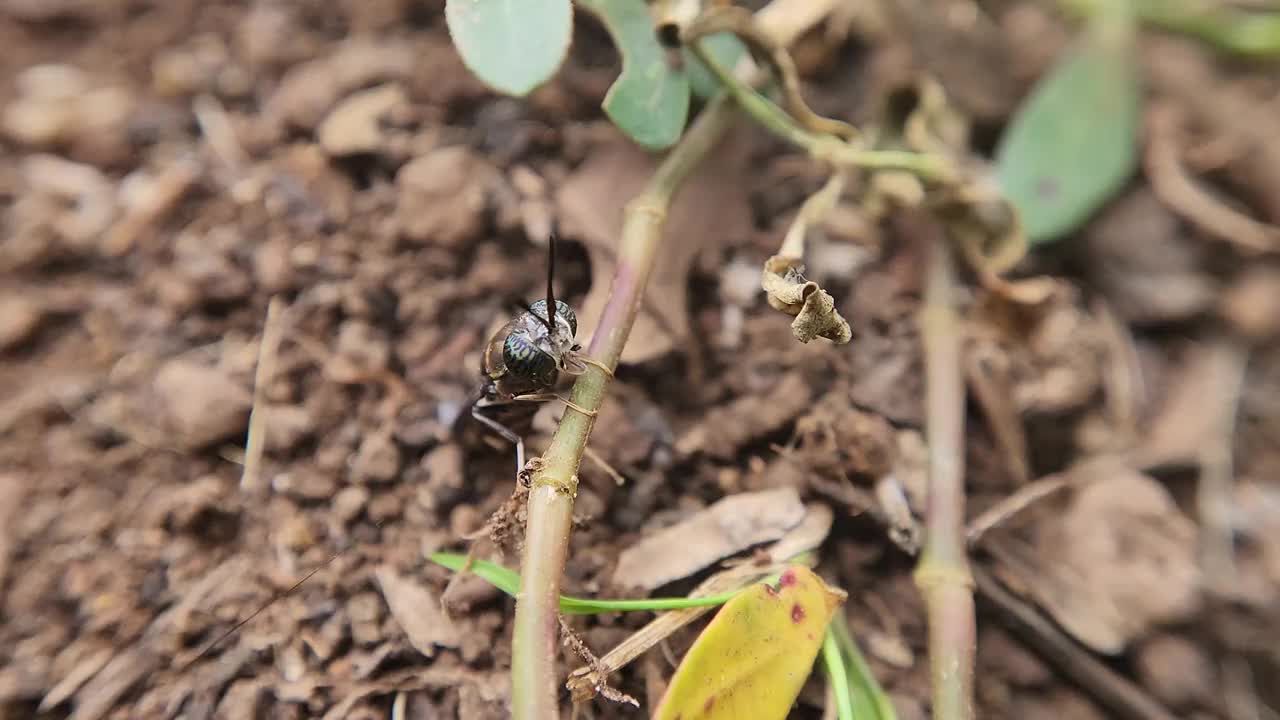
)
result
[(869, 699), (508, 581), (836, 672)]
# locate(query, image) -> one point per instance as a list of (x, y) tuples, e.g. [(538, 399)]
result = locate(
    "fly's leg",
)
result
[(544, 397), (503, 430)]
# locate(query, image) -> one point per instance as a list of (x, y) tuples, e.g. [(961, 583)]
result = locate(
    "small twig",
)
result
[(601, 687), (609, 470), (943, 573), (1170, 182), (255, 443), (815, 208), (992, 389), (216, 128), (1011, 505), (1227, 361)]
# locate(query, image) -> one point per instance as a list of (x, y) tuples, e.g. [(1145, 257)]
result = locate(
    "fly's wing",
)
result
[(492, 364)]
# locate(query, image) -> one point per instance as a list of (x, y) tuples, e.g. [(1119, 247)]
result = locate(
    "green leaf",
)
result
[(726, 49), (754, 656), (511, 45), (650, 100), (508, 581), (1073, 143)]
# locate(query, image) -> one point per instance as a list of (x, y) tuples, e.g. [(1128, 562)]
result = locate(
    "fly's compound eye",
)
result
[(563, 311), (526, 360)]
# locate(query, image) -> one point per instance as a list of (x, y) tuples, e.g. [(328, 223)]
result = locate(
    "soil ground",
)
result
[(171, 167)]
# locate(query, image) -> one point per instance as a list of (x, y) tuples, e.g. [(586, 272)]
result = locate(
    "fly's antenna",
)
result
[(551, 292)]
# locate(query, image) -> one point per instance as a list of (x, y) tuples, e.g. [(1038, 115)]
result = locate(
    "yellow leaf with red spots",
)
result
[(755, 654)]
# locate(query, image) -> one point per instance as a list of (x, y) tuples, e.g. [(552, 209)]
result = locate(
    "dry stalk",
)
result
[(943, 574), (255, 443)]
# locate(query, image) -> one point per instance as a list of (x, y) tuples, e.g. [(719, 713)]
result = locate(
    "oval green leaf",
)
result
[(755, 654), (513, 46), (1073, 143), (650, 99)]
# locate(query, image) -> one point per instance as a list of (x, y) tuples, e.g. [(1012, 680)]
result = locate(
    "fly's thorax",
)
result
[(526, 356)]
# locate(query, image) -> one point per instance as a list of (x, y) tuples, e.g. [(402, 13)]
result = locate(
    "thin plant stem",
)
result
[(943, 574), (554, 485), (550, 509), (827, 148)]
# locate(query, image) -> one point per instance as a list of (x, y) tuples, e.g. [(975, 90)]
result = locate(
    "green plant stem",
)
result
[(550, 503), (826, 148), (942, 574), (834, 664), (550, 509), (1245, 33)]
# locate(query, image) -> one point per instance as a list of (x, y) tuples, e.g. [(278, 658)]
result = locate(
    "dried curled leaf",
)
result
[(754, 656), (813, 308), (986, 226)]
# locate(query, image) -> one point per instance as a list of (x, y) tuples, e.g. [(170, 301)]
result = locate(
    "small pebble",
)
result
[(377, 459), (1176, 670), (363, 345), (286, 426), (296, 534), (355, 126), (464, 520), (203, 405), (350, 502), (442, 197), (19, 318), (1252, 304), (385, 506)]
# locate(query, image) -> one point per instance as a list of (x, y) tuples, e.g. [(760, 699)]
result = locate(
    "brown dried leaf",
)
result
[(12, 491), (813, 308), (727, 428), (80, 673), (418, 612), (1118, 560), (1181, 425), (710, 210), (100, 694), (731, 525), (1053, 350)]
